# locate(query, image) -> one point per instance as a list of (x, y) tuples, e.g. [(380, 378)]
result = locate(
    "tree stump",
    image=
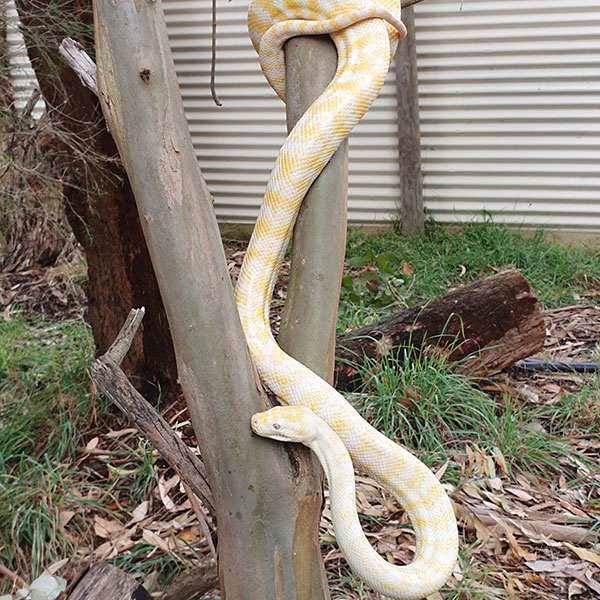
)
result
[(483, 327)]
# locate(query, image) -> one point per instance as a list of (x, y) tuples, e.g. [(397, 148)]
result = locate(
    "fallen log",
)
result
[(194, 582), (483, 327)]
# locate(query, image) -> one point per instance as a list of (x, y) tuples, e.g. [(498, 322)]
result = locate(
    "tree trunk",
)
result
[(258, 486), (98, 199), (483, 327), (309, 319)]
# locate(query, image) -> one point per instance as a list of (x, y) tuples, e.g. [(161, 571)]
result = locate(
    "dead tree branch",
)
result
[(79, 60), (109, 378)]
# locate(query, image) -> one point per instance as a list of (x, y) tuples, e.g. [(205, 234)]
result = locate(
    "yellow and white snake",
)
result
[(365, 34)]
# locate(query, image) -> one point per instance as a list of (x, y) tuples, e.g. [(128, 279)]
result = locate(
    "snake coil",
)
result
[(366, 34)]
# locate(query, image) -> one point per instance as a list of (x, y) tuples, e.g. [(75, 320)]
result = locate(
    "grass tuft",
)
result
[(419, 400), (46, 407)]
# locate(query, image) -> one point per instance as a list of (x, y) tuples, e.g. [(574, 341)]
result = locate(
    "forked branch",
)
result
[(111, 380)]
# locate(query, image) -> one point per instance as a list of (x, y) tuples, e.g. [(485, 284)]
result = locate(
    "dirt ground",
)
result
[(522, 536)]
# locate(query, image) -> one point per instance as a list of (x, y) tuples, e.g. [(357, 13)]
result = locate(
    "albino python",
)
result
[(366, 34)]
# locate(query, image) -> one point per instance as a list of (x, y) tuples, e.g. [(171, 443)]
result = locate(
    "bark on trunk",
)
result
[(486, 325), (258, 486), (99, 202), (308, 322)]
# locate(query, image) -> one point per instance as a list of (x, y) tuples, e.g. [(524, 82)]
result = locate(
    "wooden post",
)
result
[(309, 319), (409, 136)]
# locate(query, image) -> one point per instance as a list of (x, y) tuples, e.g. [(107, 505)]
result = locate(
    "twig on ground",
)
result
[(201, 518), (13, 577)]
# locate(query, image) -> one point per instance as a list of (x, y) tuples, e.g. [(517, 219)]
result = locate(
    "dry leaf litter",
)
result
[(522, 535)]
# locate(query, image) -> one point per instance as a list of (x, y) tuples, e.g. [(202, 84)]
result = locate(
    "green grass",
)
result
[(47, 412), (474, 583), (146, 565), (43, 400), (451, 410), (448, 406), (420, 401), (555, 271)]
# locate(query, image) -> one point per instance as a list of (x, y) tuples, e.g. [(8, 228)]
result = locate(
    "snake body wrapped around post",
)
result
[(365, 34)]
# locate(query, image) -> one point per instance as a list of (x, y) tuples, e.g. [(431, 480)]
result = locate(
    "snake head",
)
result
[(286, 424)]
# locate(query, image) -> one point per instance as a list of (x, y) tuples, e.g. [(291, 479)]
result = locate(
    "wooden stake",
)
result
[(409, 134)]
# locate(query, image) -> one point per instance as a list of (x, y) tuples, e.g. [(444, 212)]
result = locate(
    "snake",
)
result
[(366, 34)]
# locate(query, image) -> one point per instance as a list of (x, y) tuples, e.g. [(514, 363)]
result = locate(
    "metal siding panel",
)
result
[(236, 144), (509, 97), (22, 75)]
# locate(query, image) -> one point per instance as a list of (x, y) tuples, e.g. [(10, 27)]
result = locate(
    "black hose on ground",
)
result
[(533, 364)]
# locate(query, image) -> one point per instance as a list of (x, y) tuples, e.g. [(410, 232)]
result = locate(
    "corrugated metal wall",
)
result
[(509, 101), (510, 110), (22, 75), (236, 143)]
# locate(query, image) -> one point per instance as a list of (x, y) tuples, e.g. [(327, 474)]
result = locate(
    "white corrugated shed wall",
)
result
[(22, 76), (236, 143), (509, 101), (510, 110)]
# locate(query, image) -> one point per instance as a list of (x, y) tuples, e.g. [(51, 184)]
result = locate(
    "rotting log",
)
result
[(105, 581), (483, 327)]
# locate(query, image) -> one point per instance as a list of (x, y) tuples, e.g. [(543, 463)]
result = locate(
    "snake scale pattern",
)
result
[(366, 34)]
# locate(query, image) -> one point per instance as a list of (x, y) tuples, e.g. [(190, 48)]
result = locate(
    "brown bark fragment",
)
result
[(104, 581), (194, 582)]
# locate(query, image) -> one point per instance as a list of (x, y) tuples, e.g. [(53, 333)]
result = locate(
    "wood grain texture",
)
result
[(103, 582), (193, 582), (409, 131)]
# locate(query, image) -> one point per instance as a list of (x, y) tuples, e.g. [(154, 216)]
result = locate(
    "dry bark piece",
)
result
[(193, 582), (486, 325), (104, 581)]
